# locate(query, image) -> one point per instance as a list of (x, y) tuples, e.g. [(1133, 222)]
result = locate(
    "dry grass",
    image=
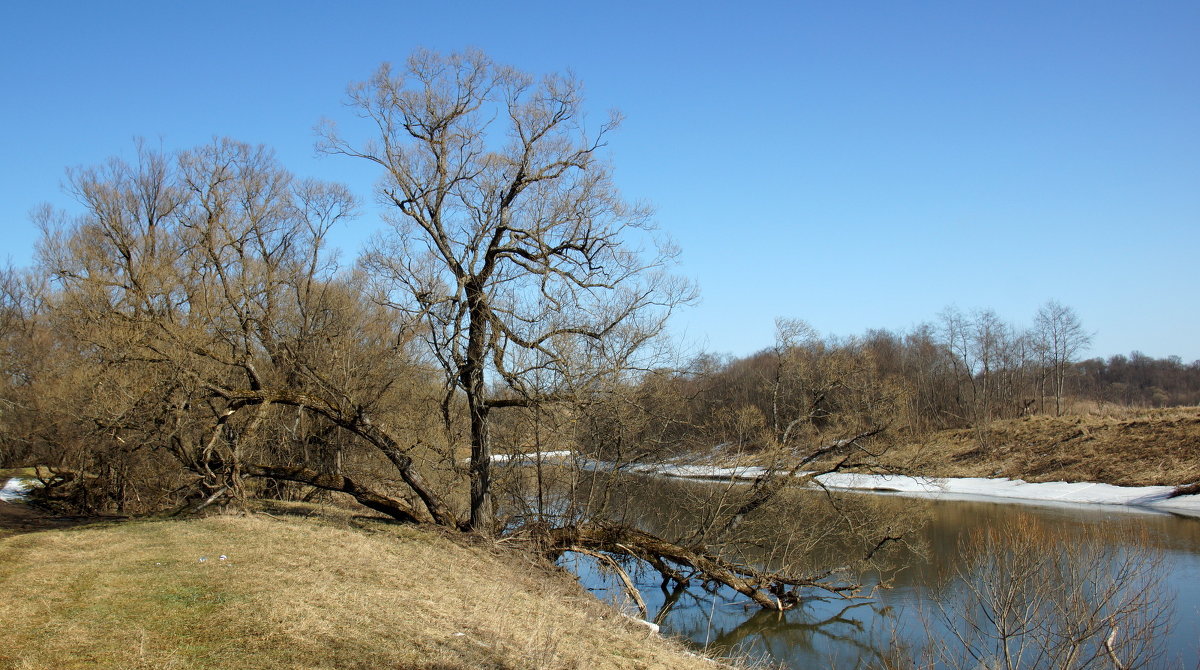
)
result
[(334, 592), (1128, 447)]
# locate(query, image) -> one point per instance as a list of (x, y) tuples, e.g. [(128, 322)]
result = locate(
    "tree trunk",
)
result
[(481, 463), (471, 377), (768, 589), (397, 509)]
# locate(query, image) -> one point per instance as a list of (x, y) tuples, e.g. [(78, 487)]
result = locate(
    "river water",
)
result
[(836, 633)]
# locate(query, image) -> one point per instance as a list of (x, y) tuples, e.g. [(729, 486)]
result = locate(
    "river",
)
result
[(857, 634)]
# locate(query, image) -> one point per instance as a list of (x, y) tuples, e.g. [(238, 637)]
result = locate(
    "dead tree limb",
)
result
[(359, 424), (767, 485), (397, 509), (194, 509), (769, 589), (630, 588), (1112, 654)]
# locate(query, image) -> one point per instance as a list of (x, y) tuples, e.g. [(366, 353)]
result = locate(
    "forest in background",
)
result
[(961, 372)]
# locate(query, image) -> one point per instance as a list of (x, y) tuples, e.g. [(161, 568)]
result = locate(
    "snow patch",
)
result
[(1155, 498), (654, 628), (15, 489), (531, 458)]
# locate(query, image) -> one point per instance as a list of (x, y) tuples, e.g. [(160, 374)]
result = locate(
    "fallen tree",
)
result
[(770, 589)]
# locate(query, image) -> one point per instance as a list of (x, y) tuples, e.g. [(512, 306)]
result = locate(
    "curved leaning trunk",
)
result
[(769, 589), (397, 509), (436, 509)]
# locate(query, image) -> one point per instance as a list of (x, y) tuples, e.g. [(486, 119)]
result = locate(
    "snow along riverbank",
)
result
[(1147, 498), (15, 489)]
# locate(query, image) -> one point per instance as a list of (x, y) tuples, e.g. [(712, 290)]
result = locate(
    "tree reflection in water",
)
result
[(836, 633), (774, 629), (722, 622)]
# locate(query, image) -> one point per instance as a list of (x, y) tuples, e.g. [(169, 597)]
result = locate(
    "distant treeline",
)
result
[(963, 371), (1138, 380)]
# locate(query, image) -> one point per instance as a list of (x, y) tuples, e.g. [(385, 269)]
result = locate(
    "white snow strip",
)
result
[(945, 488), (531, 458), (15, 489), (1145, 498)]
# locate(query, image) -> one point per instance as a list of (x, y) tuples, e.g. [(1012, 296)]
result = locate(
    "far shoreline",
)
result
[(1126, 498), (1153, 499)]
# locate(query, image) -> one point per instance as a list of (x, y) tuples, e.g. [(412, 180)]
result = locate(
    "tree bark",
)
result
[(473, 382), (397, 509)]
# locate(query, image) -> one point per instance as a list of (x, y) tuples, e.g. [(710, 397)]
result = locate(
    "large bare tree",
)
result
[(189, 288), (509, 241)]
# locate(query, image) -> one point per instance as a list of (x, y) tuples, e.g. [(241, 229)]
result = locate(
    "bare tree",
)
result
[(508, 241), (1027, 597), (187, 287), (26, 358), (1061, 339), (510, 245), (991, 361), (827, 412)]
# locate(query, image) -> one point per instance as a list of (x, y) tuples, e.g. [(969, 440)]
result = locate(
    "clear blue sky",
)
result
[(855, 165)]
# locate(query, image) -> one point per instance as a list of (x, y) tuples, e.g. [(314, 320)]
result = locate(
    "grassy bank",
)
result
[(1123, 447), (295, 592)]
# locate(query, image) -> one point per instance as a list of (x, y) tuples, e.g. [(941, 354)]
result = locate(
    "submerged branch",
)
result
[(630, 588), (769, 589), (770, 483)]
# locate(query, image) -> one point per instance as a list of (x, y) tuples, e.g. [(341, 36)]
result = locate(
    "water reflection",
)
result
[(849, 634)]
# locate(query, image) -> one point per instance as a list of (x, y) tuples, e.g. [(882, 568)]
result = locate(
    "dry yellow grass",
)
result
[(1109, 444), (1128, 447), (300, 593)]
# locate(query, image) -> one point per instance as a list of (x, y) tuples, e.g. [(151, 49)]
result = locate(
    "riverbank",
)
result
[(1148, 498), (1112, 445), (1130, 458), (307, 586), (16, 518)]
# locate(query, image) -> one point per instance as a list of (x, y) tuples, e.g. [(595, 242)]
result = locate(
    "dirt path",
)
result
[(19, 517)]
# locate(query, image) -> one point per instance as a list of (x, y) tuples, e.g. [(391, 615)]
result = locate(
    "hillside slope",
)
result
[(1132, 448), (300, 593)]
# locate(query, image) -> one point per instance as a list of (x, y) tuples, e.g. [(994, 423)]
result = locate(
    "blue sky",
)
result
[(855, 165)]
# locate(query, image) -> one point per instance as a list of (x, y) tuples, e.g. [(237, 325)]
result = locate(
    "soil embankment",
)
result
[(1157, 447)]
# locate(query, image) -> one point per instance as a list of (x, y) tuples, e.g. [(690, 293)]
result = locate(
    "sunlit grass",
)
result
[(297, 593)]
